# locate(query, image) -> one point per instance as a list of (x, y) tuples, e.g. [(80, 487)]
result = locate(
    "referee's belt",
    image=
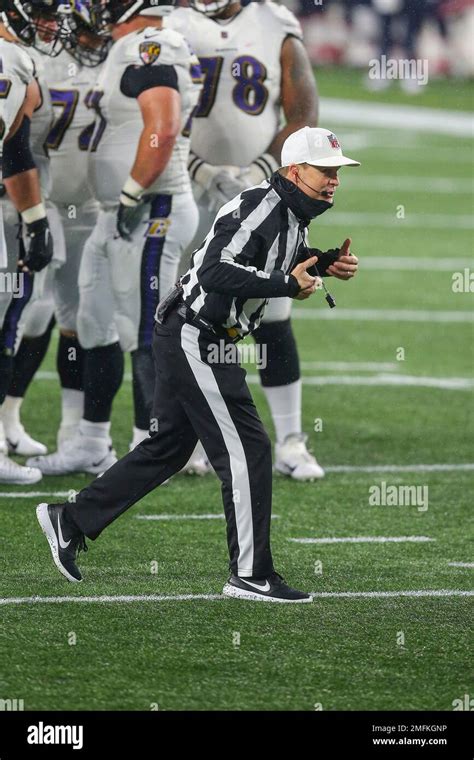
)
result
[(190, 316)]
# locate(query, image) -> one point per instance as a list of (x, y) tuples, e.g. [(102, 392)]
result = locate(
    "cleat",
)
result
[(80, 454), (198, 463), (270, 589), (16, 474), (19, 442), (66, 433), (64, 539), (294, 459)]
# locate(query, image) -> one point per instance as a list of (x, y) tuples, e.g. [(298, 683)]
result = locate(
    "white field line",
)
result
[(392, 182), (217, 597), (414, 381), (34, 494), (380, 380), (330, 468), (363, 540), (401, 468), (210, 516), (461, 564), (383, 315), (401, 263), (388, 594), (369, 366), (413, 118), (416, 221)]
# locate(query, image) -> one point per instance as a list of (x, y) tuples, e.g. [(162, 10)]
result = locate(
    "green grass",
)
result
[(339, 652), (347, 83)]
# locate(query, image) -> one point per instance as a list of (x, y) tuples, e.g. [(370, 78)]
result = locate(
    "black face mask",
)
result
[(303, 207)]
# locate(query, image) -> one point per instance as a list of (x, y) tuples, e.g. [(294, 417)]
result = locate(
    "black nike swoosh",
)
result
[(96, 464), (12, 445)]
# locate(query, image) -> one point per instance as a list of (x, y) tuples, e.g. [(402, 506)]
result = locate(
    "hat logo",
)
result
[(149, 52), (333, 140)]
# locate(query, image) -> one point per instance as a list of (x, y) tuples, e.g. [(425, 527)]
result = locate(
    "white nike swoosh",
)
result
[(266, 587), (62, 543)]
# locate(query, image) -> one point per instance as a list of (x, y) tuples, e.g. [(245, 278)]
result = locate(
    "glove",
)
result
[(262, 168), (39, 249), (131, 207), (129, 218), (223, 187), (214, 180)]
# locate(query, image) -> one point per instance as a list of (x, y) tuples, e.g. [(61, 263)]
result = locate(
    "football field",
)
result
[(387, 403)]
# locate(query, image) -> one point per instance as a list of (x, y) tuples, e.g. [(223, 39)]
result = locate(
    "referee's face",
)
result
[(319, 182)]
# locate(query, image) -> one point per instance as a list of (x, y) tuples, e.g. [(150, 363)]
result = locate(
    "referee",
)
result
[(255, 250)]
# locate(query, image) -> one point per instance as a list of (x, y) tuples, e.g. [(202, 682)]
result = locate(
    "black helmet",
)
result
[(88, 42), (30, 22), (119, 11)]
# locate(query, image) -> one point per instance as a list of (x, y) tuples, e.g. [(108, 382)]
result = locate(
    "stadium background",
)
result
[(388, 381)]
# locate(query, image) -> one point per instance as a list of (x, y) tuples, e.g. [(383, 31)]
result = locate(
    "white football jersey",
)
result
[(41, 122), (120, 123), (70, 87), (16, 72), (239, 111)]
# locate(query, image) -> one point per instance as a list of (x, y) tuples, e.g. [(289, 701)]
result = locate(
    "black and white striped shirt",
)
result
[(246, 258)]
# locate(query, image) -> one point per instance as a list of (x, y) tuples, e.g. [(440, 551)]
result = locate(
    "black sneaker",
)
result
[(64, 540), (271, 589)]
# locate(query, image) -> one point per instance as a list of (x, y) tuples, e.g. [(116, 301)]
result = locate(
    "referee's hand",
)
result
[(307, 283)]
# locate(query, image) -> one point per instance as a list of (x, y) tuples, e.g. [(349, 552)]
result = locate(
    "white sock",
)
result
[(72, 407), (3, 442), (11, 411), (285, 406), (139, 435), (94, 429)]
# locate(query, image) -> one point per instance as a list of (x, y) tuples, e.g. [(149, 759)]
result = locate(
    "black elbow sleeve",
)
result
[(17, 155)]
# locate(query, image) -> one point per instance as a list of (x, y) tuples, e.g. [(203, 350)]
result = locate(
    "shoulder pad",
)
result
[(287, 20), (18, 62)]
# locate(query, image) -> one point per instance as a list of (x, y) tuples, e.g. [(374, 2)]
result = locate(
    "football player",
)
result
[(138, 157), (22, 120), (33, 324), (71, 77), (256, 71)]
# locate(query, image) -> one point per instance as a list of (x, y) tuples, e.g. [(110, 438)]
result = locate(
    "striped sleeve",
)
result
[(240, 243)]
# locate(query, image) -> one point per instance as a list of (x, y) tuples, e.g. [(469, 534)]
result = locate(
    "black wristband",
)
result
[(293, 286)]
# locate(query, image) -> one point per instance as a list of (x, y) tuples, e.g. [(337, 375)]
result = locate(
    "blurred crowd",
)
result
[(353, 32)]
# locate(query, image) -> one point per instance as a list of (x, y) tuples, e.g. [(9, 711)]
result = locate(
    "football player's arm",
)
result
[(21, 180), (156, 90), (21, 177), (299, 93), (161, 112)]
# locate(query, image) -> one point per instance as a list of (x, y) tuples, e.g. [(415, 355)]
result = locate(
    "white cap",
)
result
[(315, 146)]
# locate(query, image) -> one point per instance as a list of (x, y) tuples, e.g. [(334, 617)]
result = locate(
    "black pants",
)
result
[(195, 397)]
